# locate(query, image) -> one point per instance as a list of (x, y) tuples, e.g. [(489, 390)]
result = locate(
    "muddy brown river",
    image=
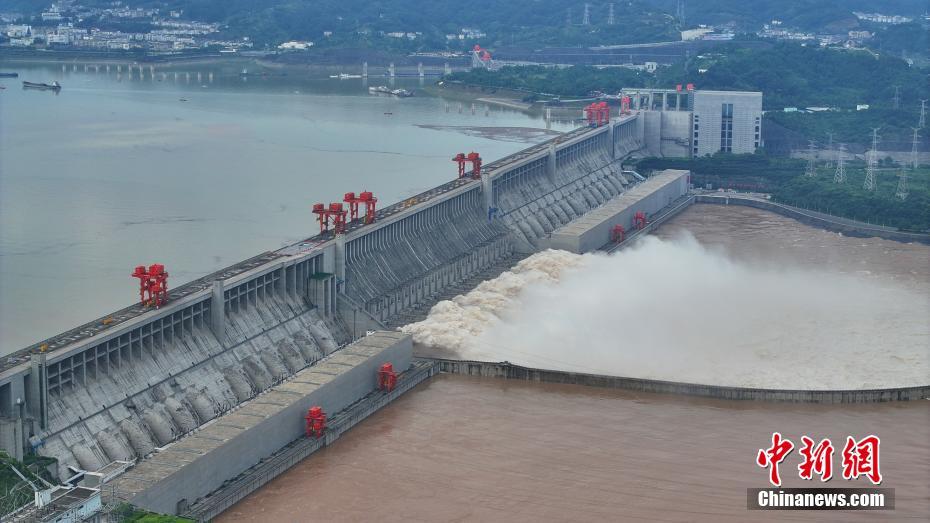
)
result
[(472, 449)]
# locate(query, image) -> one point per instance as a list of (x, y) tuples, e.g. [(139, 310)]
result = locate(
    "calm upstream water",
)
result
[(119, 170)]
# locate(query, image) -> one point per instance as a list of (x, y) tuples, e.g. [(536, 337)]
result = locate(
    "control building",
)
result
[(697, 122)]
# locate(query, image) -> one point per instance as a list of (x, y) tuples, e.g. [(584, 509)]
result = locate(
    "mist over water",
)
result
[(674, 310)]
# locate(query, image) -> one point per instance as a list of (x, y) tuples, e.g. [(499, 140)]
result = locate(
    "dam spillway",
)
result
[(138, 379)]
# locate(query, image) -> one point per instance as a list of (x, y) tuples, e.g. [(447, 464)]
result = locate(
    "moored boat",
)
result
[(54, 86)]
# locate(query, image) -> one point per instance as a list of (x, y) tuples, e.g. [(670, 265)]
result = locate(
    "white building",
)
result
[(726, 121), (695, 34), (295, 45), (18, 31), (52, 14)]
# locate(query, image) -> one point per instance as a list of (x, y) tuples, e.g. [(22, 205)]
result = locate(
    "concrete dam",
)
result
[(122, 386)]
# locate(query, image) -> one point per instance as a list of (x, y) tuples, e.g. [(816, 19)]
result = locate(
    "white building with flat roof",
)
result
[(688, 122), (726, 121)]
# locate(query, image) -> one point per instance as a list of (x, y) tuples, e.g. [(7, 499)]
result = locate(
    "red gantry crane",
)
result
[(597, 113), (370, 202), (339, 217), (153, 284), (316, 422), (625, 105), (617, 234), (322, 216), (337, 214), (473, 158), (387, 378), (353, 202)]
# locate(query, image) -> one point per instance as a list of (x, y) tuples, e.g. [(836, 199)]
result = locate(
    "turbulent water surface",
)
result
[(724, 296)]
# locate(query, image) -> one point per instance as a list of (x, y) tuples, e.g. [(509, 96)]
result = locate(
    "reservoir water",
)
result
[(197, 168)]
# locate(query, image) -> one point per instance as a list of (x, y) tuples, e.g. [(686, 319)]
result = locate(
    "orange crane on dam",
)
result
[(474, 158), (153, 284), (339, 216)]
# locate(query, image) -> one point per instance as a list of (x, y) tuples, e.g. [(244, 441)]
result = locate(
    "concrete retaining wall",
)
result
[(592, 230), (232, 492), (516, 372), (199, 464)]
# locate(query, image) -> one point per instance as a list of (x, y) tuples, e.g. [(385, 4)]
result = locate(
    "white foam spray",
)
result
[(672, 310)]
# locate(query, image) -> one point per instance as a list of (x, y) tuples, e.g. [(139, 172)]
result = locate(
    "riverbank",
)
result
[(511, 99)]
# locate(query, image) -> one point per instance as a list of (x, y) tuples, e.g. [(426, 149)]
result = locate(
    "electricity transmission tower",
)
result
[(840, 175), (902, 185), (680, 13), (923, 115), (869, 183), (610, 15), (896, 101), (914, 149), (586, 20), (568, 17), (829, 164), (811, 169)]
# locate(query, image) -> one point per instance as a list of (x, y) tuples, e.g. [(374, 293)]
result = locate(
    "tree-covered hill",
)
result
[(811, 15)]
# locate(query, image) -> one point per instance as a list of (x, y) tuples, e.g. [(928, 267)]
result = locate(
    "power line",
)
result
[(829, 164)]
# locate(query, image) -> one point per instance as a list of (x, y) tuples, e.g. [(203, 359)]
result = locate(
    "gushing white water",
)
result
[(672, 310)]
